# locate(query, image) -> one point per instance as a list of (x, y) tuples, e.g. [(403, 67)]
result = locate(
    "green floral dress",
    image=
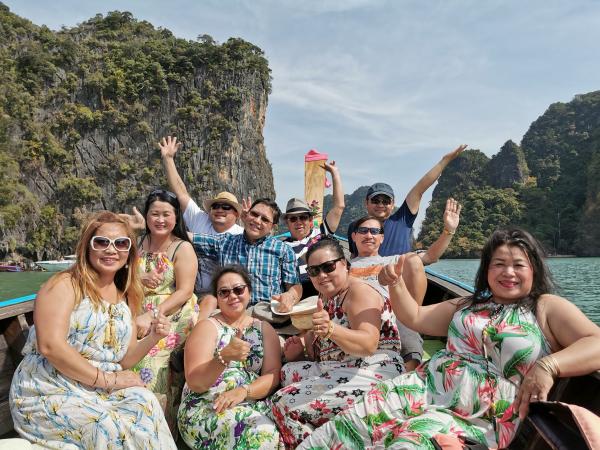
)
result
[(245, 426), (466, 390), (154, 367)]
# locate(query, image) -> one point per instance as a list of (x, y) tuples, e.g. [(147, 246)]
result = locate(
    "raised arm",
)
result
[(335, 213), (168, 149), (451, 220), (432, 320), (413, 198)]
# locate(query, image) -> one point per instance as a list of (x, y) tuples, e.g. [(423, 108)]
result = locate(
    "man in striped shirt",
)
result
[(270, 262)]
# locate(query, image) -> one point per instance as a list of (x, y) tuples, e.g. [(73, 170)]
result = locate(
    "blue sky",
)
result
[(386, 87)]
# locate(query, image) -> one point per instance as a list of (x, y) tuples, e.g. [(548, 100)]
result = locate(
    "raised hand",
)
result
[(246, 205), (454, 153), (452, 215), (392, 273), (237, 349), (331, 167), (136, 221), (285, 300), (320, 320), (169, 146), (161, 325)]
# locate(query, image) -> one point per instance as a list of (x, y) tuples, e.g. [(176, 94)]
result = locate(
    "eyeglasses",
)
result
[(386, 201), (374, 231), (300, 217), (121, 244), (237, 290), (326, 267), (223, 206), (262, 218), (163, 192)]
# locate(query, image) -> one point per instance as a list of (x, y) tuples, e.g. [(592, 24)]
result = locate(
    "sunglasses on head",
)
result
[(262, 218), (326, 267), (374, 231), (223, 206), (381, 201), (237, 290), (299, 217), (163, 192), (121, 244)]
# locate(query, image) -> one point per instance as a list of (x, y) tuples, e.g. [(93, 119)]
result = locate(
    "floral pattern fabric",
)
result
[(466, 390), (245, 426), (154, 367), (55, 411), (315, 392)]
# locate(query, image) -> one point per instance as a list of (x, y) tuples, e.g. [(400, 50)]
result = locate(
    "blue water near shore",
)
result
[(578, 279)]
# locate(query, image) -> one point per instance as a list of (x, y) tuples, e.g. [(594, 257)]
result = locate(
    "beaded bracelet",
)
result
[(448, 232), (220, 358)]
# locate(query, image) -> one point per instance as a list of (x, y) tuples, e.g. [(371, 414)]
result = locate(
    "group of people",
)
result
[(95, 371)]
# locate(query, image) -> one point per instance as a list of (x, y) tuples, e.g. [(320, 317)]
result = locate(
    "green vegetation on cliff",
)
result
[(81, 111)]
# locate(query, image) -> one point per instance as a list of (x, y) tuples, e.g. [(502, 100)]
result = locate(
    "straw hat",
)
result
[(223, 197)]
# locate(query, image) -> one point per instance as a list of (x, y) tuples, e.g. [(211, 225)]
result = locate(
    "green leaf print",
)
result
[(377, 419), (470, 430), (431, 382), (402, 390), (348, 435), (501, 406), (425, 426), (512, 318), (510, 369), (453, 331), (422, 442)]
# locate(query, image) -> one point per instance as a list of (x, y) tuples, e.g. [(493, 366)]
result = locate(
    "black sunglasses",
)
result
[(381, 201), (326, 267), (300, 217), (237, 290), (374, 231), (163, 192), (223, 206)]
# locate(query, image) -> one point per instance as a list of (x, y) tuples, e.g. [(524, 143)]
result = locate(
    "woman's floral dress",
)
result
[(466, 390), (154, 367), (56, 411), (315, 392), (245, 426)]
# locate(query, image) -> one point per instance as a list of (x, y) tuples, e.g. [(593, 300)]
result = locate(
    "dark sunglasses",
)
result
[(121, 244), (326, 267), (223, 206), (374, 231), (163, 192), (381, 201), (262, 218), (300, 217), (237, 290)]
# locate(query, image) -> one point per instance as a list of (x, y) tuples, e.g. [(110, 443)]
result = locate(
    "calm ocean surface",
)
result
[(578, 280)]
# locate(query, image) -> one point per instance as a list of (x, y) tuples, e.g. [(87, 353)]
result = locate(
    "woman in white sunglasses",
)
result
[(73, 388)]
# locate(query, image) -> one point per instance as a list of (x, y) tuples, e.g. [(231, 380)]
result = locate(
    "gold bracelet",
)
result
[(246, 387), (96, 379), (329, 330), (550, 365), (448, 232)]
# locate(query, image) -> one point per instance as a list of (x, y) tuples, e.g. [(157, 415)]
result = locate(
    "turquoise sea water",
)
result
[(578, 279)]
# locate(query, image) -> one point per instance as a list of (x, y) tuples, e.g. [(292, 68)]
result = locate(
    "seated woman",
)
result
[(355, 345), (231, 362), (507, 344), (168, 267), (72, 389), (368, 236)]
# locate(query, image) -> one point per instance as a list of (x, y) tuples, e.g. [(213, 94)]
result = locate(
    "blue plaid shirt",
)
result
[(270, 262)]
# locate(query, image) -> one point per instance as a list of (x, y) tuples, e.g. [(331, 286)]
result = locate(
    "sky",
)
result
[(385, 88)]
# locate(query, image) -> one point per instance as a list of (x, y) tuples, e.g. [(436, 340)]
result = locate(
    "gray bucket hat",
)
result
[(297, 206)]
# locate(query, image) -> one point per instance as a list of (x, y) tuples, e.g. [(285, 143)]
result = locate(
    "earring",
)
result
[(127, 266)]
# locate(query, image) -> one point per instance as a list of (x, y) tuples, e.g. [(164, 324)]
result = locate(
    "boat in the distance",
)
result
[(10, 268), (56, 265)]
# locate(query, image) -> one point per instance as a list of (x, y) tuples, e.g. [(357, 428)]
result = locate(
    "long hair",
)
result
[(514, 237), (170, 198), (84, 277)]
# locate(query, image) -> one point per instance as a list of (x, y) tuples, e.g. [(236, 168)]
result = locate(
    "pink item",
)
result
[(314, 155)]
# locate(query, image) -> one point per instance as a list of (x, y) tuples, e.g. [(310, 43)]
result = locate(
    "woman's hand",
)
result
[(161, 325), (392, 273), (152, 279), (237, 349), (143, 322), (120, 380), (534, 388), (229, 399), (293, 349), (169, 146), (320, 320), (286, 301)]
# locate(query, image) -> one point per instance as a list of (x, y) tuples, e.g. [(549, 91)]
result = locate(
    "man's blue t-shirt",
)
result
[(398, 233)]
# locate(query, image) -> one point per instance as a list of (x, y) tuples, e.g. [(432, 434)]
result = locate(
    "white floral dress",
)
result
[(56, 411)]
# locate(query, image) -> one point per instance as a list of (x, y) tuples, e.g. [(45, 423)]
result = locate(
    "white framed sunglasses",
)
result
[(121, 244)]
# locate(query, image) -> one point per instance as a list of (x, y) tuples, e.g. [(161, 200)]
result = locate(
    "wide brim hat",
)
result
[(223, 197), (281, 324), (297, 206)]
